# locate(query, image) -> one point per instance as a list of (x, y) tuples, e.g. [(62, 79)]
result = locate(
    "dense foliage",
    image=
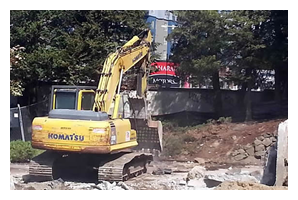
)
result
[(246, 42), (68, 46)]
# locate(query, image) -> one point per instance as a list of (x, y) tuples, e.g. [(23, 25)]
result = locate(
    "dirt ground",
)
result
[(214, 143), (237, 185)]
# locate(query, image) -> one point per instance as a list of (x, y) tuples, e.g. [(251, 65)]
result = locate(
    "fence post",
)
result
[(21, 123)]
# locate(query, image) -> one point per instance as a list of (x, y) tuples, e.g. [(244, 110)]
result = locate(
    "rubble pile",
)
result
[(257, 149)]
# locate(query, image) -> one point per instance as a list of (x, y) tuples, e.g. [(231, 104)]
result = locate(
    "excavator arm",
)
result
[(135, 51)]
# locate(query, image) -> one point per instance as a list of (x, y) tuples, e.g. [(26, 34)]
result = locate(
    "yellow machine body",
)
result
[(85, 135)]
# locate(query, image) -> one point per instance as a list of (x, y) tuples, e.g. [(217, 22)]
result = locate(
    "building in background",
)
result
[(162, 22)]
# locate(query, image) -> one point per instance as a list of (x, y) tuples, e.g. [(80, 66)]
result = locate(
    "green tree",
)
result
[(245, 41), (246, 51), (275, 35), (69, 46), (199, 44)]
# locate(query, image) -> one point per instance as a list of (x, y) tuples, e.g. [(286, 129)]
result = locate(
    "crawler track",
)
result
[(118, 167), (126, 166), (40, 168)]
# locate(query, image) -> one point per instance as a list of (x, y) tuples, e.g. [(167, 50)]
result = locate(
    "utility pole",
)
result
[(21, 123)]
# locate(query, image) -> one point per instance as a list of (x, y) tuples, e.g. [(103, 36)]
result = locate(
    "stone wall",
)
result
[(257, 149)]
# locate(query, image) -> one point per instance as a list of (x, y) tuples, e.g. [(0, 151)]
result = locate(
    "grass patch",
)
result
[(22, 151)]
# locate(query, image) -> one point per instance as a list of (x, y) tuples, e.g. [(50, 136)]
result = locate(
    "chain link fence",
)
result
[(21, 119)]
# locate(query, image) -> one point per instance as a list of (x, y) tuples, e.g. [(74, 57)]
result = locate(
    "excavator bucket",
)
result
[(149, 135), (149, 132)]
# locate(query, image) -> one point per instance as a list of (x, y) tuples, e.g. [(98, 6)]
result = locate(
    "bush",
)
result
[(22, 151), (173, 145)]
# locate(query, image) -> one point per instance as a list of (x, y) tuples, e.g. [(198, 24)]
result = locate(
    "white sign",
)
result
[(127, 136)]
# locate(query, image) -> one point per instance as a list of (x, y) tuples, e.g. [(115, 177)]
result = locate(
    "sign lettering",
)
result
[(73, 137)]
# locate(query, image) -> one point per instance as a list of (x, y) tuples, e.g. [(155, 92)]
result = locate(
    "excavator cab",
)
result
[(72, 97)]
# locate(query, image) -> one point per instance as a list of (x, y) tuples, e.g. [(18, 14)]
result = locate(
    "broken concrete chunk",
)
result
[(182, 183), (123, 185), (107, 185), (99, 187), (158, 172), (196, 173)]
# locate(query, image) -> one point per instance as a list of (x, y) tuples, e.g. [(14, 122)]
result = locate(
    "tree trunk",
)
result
[(248, 116), (277, 87), (217, 95), (248, 106)]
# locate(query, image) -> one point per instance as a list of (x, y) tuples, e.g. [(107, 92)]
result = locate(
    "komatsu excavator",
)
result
[(84, 134)]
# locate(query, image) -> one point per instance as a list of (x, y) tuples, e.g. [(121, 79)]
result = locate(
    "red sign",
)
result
[(164, 68)]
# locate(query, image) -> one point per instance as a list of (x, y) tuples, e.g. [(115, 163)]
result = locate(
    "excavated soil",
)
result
[(215, 142)]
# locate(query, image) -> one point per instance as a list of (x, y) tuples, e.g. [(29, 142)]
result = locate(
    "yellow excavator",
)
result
[(85, 135)]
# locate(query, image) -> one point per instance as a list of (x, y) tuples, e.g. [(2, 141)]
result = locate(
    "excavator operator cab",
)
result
[(72, 97)]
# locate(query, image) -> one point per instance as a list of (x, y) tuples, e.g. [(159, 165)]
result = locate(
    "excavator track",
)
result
[(116, 167), (40, 167), (126, 166)]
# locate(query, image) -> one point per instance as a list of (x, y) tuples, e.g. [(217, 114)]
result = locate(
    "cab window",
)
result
[(87, 100), (65, 100)]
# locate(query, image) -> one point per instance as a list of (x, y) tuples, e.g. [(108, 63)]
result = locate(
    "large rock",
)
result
[(241, 156), (273, 139), (250, 151), (196, 173), (237, 152), (267, 142), (123, 185), (260, 147), (261, 138), (257, 142)]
